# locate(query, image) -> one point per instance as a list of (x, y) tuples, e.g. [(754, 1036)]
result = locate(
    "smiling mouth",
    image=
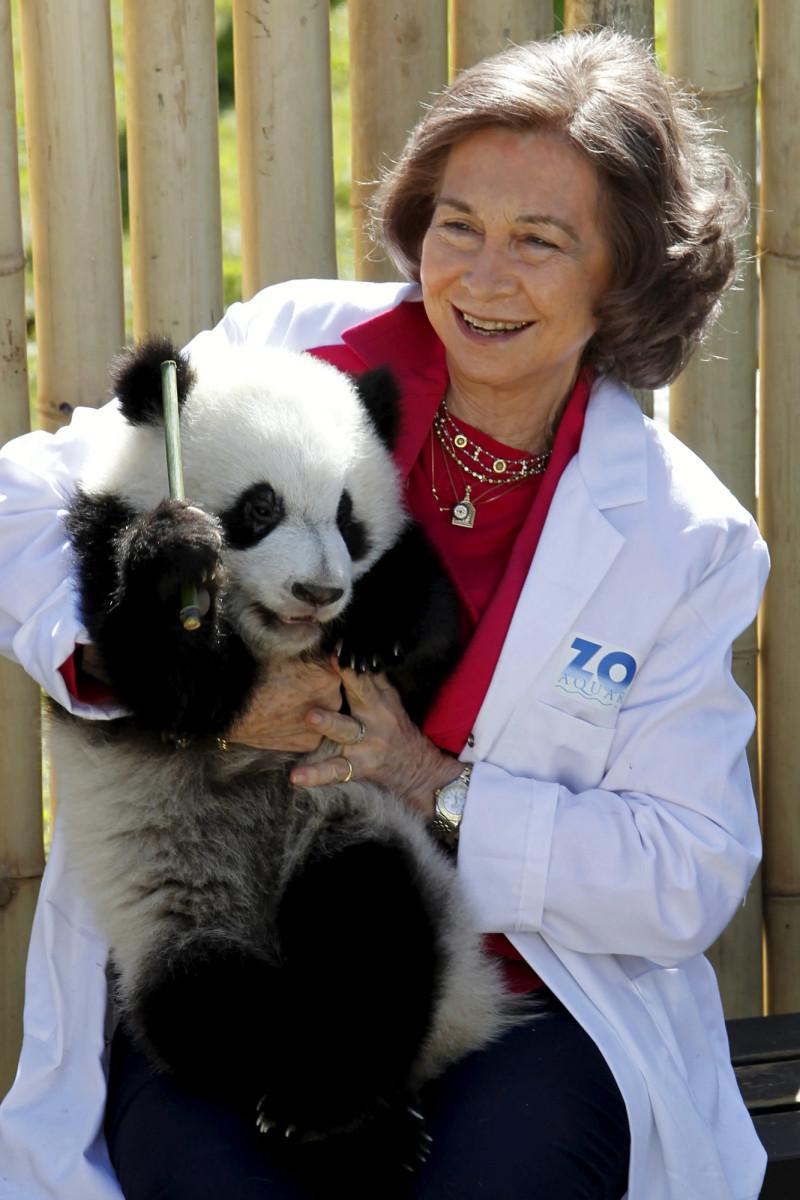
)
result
[(491, 328)]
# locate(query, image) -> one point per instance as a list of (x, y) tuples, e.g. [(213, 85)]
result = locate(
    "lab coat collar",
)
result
[(612, 458)]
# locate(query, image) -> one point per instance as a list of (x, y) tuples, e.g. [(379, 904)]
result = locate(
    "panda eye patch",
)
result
[(352, 530), (254, 514)]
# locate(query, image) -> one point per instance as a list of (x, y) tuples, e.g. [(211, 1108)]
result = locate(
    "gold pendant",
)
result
[(464, 512)]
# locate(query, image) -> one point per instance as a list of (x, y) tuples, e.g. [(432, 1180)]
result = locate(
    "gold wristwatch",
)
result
[(450, 801)]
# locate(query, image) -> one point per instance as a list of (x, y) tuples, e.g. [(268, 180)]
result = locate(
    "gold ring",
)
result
[(361, 731), (349, 774)]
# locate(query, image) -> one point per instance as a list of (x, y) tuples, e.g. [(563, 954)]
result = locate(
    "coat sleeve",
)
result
[(40, 623), (654, 860)]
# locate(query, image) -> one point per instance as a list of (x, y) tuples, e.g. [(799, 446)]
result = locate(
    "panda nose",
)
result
[(311, 593)]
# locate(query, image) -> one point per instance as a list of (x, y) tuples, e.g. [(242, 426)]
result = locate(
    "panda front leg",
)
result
[(189, 683)]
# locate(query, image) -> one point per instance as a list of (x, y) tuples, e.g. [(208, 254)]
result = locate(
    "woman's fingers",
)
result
[(391, 752), (331, 770), (276, 717)]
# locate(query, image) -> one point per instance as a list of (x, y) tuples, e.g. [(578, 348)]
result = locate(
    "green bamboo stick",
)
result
[(190, 608)]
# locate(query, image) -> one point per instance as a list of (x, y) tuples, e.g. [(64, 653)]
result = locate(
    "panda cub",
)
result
[(301, 954)]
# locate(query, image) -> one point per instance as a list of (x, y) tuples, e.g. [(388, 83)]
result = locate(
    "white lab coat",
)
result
[(610, 829)]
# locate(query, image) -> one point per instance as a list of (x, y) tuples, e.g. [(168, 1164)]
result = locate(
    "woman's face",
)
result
[(513, 263)]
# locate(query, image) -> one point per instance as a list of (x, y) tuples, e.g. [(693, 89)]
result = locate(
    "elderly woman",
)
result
[(568, 228)]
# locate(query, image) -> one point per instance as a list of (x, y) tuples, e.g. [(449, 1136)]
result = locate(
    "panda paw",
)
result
[(371, 661), (395, 1139), (367, 647), (172, 545)]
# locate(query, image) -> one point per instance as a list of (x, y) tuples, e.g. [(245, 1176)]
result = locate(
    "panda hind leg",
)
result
[(199, 1014), (361, 962)]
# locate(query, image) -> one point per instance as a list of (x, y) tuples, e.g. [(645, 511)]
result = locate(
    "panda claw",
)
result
[(289, 1130)]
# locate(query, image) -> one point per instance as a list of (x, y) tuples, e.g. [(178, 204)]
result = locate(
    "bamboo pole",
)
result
[(636, 17), (173, 157), (482, 27), (711, 50), (398, 59), (75, 199), (21, 848), (284, 138), (779, 501)]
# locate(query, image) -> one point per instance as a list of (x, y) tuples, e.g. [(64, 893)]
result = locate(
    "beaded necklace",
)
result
[(480, 464)]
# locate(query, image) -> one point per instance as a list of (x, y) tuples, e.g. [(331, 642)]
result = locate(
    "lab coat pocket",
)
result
[(546, 743)]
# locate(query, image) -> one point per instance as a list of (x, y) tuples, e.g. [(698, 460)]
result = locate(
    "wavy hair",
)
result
[(672, 204)]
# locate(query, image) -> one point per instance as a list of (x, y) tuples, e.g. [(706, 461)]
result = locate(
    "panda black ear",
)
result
[(380, 396), (136, 379)]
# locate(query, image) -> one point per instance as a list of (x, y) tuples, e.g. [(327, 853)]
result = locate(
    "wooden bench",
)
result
[(765, 1052)]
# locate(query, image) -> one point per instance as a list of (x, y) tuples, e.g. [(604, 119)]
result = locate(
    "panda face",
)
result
[(292, 571), (280, 448)]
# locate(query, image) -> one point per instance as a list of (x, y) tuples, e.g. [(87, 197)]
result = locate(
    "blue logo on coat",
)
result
[(596, 671)]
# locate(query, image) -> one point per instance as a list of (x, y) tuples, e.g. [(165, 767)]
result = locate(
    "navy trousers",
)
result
[(535, 1116)]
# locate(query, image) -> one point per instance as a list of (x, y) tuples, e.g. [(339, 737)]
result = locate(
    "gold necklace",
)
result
[(463, 511), (478, 462)]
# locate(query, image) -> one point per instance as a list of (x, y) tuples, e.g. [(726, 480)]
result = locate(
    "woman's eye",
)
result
[(457, 227)]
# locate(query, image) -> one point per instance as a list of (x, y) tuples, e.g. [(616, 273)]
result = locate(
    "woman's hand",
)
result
[(392, 751), (276, 718)]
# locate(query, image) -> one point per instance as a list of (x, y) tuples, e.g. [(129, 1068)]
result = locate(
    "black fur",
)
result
[(402, 619), (131, 569), (136, 379), (380, 396), (352, 530), (255, 514)]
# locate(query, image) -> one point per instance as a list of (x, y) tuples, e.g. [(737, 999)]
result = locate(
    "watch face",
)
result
[(452, 799)]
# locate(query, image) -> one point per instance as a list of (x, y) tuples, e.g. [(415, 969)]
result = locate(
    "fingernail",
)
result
[(314, 718)]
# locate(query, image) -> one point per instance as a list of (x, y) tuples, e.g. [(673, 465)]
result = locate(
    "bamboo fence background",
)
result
[(399, 54)]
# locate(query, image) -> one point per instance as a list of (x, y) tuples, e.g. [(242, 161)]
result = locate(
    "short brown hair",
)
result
[(672, 203)]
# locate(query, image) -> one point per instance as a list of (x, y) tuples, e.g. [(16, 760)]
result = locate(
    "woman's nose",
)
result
[(491, 272)]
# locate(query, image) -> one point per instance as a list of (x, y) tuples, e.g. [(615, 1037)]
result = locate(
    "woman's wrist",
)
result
[(435, 769)]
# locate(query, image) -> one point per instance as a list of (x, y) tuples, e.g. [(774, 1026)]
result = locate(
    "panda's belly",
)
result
[(161, 838)]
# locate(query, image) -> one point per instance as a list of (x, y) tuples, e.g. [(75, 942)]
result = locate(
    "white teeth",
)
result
[(493, 326)]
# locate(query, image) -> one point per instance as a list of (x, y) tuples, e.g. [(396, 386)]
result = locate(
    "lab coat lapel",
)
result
[(577, 548)]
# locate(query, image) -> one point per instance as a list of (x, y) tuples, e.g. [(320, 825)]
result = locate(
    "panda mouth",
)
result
[(272, 619)]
